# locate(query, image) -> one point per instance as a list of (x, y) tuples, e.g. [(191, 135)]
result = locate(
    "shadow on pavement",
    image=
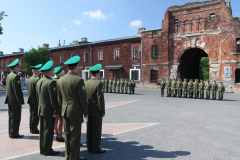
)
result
[(3, 110)]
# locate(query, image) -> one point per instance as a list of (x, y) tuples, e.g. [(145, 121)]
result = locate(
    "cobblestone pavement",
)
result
[(179, 128)]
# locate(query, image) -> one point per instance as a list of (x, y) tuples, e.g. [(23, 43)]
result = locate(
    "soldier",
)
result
[(122, 85), (96, 106), (107, 84), (221, 90), (195, 88), (174, 88), (168, 86), (130, 86), (118, 86), (47, 109), (114, 85), (103, 84), (179, 87), (32, 100), (162, 85), (126, 86), (201, 89), (207, 89), (214, 90), (14, 99), (190, 88), (59, 120), (110, 85), (133, 86), (74, 106), (185, 88)]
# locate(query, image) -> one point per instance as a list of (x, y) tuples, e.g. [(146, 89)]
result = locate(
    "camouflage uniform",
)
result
[(195, 88), (174, 88), (221, 90), (185, 88), (214, 90), (207, 89), (168, 86), (190, 89), (201, 89)]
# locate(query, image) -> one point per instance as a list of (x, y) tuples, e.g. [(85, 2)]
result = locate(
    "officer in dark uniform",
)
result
[(96, 107), (32, 100), (14, 99)]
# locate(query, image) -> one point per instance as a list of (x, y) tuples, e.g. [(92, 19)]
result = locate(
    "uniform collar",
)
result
[(94, 78), (14, 72), (70, 72), (47, 77)]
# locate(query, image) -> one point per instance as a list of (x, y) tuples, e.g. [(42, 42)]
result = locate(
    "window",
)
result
[(50, 58), (72, 55), (154, 51), (237, 76), (135, 53), (19, 63), (176, 21), (116, 54), (135, 74), (85, 57), (154, 75), (212, 16), (238, 45), (6, 63), (100, 55), (61, 59), (2, 64), (101, 73)]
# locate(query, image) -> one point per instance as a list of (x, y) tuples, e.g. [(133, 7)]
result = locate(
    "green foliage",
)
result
[(34, 57), (204, 62), (1, 17), (74, 42)]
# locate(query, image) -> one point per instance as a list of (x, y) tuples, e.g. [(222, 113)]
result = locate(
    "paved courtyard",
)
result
[(146, 126)]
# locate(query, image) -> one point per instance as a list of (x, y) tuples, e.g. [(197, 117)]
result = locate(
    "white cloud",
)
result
[(95, 14), (77, 22), (136, 23), (64, 29), (10, 33)]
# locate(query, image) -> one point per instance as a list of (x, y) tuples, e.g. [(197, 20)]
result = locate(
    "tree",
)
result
[(1, 17), (204, 68), (74, 42), (34, 57)]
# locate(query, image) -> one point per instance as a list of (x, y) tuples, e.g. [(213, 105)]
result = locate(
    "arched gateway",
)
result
[(189, 64)]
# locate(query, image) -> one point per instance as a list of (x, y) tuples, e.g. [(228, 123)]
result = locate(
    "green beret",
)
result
[(97, 67), (37, 66), (162, 79), (73, 61), (14, 63), (58, 70), (47, 66)]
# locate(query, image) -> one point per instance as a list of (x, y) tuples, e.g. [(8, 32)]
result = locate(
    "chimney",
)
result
[(45, 45), (64, 42), (84, 39), (21, 50), (141, 29), (59, 43), (1, 53), (228, 4)]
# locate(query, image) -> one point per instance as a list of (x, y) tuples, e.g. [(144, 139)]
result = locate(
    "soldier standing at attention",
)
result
[(59, 120), (207, 89), (168, 86), (162, 85), (32, 100), (106, 84), (126, 86), (122, 85), (74, 105), (110, 85), (130, 86), (174, 88), (14, 99), (114, 85), (214, 90), (47, 109), (195, 88), (133, 86), (185, 88), (96, 107), (201, 89), (118, 86), (179, 87), (221, 90), (190, 88), (103, 83)]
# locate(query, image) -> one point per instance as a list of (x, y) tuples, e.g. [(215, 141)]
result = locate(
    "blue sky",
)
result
[(30, 23)]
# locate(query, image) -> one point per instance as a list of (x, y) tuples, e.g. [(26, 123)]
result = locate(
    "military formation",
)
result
[(192, 89), (53, 101), (118, 86)]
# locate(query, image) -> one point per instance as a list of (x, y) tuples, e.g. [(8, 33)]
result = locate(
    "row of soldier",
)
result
[(118, 86), (192, 89)]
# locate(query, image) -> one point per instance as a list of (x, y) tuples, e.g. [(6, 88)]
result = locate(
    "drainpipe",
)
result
[(91, 54), (141, 50)]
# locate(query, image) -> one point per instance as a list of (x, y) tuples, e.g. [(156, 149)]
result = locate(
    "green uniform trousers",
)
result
[(114, 89), (122, 89), (174, 92), (72, 130), (118, 89), (110, 89), (94, 131), (207, 94), (196, 93), (126, 90), (106, 89), (185, 93), (179, 92), (220, 95), (190, 93), (201, 94), (130, 90), (162, 92), (14, 118), (46, 134), (133, 90), (33, 118), (214, 94), (168, 92)]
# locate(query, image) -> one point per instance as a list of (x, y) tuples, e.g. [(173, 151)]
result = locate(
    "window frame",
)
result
[(115, 54), (152, 75), (139, 74), (237, 77), (99, 56), (61, 59), (212, 16), (2, 65), (153, 56), (6, 63), (135, 53), (102, 70), (85, 59)]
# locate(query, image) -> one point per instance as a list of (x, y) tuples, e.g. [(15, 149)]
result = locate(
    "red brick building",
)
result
[(188, 32)]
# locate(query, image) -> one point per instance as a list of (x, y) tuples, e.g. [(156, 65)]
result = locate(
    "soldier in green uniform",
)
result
[(126, 86), (74, 106), (174, 88), (14, 99), (179, 87), (103, 84), (130, 86), (47, 109), (201, 89), (168, 86), (118, 86), (96, 107), (162, 86), (221, 90), (32, 100), (110, 85), (195, 88), (185, 88), (190, 88), (114, 85), (122, 85), (214, 90), (207, 89), (107, 84), (133, 86)]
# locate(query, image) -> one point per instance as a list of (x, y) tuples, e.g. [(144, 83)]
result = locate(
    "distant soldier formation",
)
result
[(192, 89)]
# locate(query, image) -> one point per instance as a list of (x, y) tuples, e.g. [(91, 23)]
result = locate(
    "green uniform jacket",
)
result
[(59, 101), (106, 82), (125, 84), (214, 87), (174, 85), (14, 93), (95, 97), (195, 86), (32, 92), (72, 95), (185, 85), (179, 85), (114, 83), (201, 86), (118, 83), (190, 86), (207, 87), (221, 88), (110, 82), (133, 84), (47, 95), (130, 84), (162, 84), (168, 84), (121, 83)]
